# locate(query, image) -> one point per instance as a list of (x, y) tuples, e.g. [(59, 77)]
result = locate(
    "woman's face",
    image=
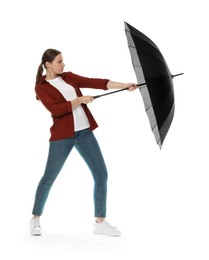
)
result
[(57, 65)]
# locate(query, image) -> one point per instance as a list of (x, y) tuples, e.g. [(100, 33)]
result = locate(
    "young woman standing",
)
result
[(72, 126)]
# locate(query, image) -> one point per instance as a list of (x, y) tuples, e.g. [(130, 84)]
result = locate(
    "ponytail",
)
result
[(49, 56), (39, 74)]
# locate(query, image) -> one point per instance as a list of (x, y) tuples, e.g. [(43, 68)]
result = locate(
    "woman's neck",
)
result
[(50, 75)]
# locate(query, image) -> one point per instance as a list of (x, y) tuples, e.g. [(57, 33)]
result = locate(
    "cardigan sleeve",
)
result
[(57, 109), (84, 82)]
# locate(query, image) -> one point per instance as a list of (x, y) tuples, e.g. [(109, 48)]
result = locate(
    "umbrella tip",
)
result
[(177, 75)]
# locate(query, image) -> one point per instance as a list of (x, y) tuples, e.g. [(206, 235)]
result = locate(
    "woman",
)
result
[(72, 126)]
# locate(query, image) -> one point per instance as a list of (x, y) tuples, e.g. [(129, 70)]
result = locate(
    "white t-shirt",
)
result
[(80, 119)]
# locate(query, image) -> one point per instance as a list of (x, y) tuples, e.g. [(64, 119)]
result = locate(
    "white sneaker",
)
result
[(35, 228), (105, 228)]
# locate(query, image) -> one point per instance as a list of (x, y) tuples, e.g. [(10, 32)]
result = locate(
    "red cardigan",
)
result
[(60, 108)]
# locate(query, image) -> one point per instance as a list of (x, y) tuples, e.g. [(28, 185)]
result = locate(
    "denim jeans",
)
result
[(86, 144)]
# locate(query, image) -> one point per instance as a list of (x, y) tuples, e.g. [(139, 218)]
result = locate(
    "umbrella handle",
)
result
[(116, 91)]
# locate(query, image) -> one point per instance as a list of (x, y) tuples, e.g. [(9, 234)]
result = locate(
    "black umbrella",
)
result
[(155, 81), (158, 93)]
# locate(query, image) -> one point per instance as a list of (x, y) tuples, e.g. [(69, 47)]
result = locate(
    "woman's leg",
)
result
[(58, 153), (88, 147)]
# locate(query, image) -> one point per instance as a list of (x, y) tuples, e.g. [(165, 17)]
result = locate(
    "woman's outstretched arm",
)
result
[(119, 85)]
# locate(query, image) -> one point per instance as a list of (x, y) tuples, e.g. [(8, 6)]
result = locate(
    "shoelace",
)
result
[(110, 225)]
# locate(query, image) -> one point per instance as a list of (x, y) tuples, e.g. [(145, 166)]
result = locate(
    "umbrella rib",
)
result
[(145, 54), (132, 46), (148, 108), (150, 42), (159, 139), (144, 39), (154, 126), (167, 93)]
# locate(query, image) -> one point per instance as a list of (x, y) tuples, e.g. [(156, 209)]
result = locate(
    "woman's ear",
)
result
[(47, 64)]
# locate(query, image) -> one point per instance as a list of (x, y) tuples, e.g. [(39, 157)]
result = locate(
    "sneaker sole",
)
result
[(35, 233), (109, 235)]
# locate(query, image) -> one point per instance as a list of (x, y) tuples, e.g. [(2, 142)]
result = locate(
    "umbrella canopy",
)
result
[(158, 93)]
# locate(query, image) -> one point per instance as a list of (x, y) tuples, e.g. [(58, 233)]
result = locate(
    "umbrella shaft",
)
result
[(117, 91)]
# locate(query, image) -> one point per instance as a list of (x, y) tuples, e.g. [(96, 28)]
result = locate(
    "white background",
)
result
[(158, 198)]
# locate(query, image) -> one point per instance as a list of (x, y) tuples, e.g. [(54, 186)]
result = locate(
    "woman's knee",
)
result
[(47, 181), (101, 177)]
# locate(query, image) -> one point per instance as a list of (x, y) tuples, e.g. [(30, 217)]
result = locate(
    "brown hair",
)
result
[(49, 55)]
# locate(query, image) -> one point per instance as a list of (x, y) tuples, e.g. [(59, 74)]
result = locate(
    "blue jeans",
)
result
[(86, 144)]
